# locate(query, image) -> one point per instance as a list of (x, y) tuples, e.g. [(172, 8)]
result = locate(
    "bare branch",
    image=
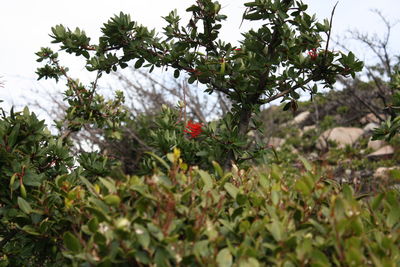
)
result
[(285, 92), (330, 31), (379, 46)]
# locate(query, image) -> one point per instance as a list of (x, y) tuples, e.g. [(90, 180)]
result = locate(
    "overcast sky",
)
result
[(25, 25)]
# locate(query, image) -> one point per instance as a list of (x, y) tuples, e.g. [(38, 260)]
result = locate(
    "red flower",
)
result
[(194, 129), (313, 53)]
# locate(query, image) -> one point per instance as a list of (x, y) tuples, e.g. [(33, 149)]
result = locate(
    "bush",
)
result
[(194, 218), (30, 208), (179, 215)]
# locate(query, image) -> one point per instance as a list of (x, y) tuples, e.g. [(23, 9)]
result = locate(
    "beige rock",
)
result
[(251, 134), (370, 127), (341, 135), (383, 172), (385, 151), (370, 117), (309, 128), (306, 129), (300, 118), (376, 144)]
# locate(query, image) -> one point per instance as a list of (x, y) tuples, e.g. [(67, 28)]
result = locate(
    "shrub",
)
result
[(181, 215)]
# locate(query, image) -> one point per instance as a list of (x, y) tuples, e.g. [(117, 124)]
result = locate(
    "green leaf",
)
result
[(176, 74), (250, 262), (287, 106), (201, 249), (218, 168), (319, 258), (222, 70), (24, 205), (253, 16), (93, 224), (30, 230), (71, 242), (155, 231), (276, 229), (393, 216), (207, 180), (142, 257), (193, 8), (32, 179), (161, 257), (224, 258), (12, 138), (12, 180), (22, 190), (302, 187), (99, 213), (276, 172), (112, 200), (231, 189), (139, 63), (225, 179), (192, 79), (306, 164), (142, 235), (202, 153), (376, 201), (60, 179), (163, 162), (26, 112)]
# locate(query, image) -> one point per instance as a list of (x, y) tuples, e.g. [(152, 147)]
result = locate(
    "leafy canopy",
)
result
[(272, 61)]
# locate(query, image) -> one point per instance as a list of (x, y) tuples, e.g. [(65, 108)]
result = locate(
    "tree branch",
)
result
[(287, 91)]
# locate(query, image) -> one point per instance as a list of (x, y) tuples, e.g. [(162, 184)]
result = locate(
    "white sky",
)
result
[(25, 25)]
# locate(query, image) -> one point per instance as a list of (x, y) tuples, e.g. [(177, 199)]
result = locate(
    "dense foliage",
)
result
[(180, 215)]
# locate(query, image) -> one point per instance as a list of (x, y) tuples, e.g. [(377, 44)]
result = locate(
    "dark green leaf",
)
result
[(24, 205), (72, 243)]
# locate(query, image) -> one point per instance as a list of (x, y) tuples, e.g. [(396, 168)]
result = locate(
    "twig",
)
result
[(329, 32), (287, 91)]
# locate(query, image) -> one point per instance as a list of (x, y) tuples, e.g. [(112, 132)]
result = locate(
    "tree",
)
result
[(271, 62)]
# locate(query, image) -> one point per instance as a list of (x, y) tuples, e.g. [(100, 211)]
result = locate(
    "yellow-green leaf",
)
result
[(224, 258), (24, 205), (112, 200), (231, 189), (207, 180)]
